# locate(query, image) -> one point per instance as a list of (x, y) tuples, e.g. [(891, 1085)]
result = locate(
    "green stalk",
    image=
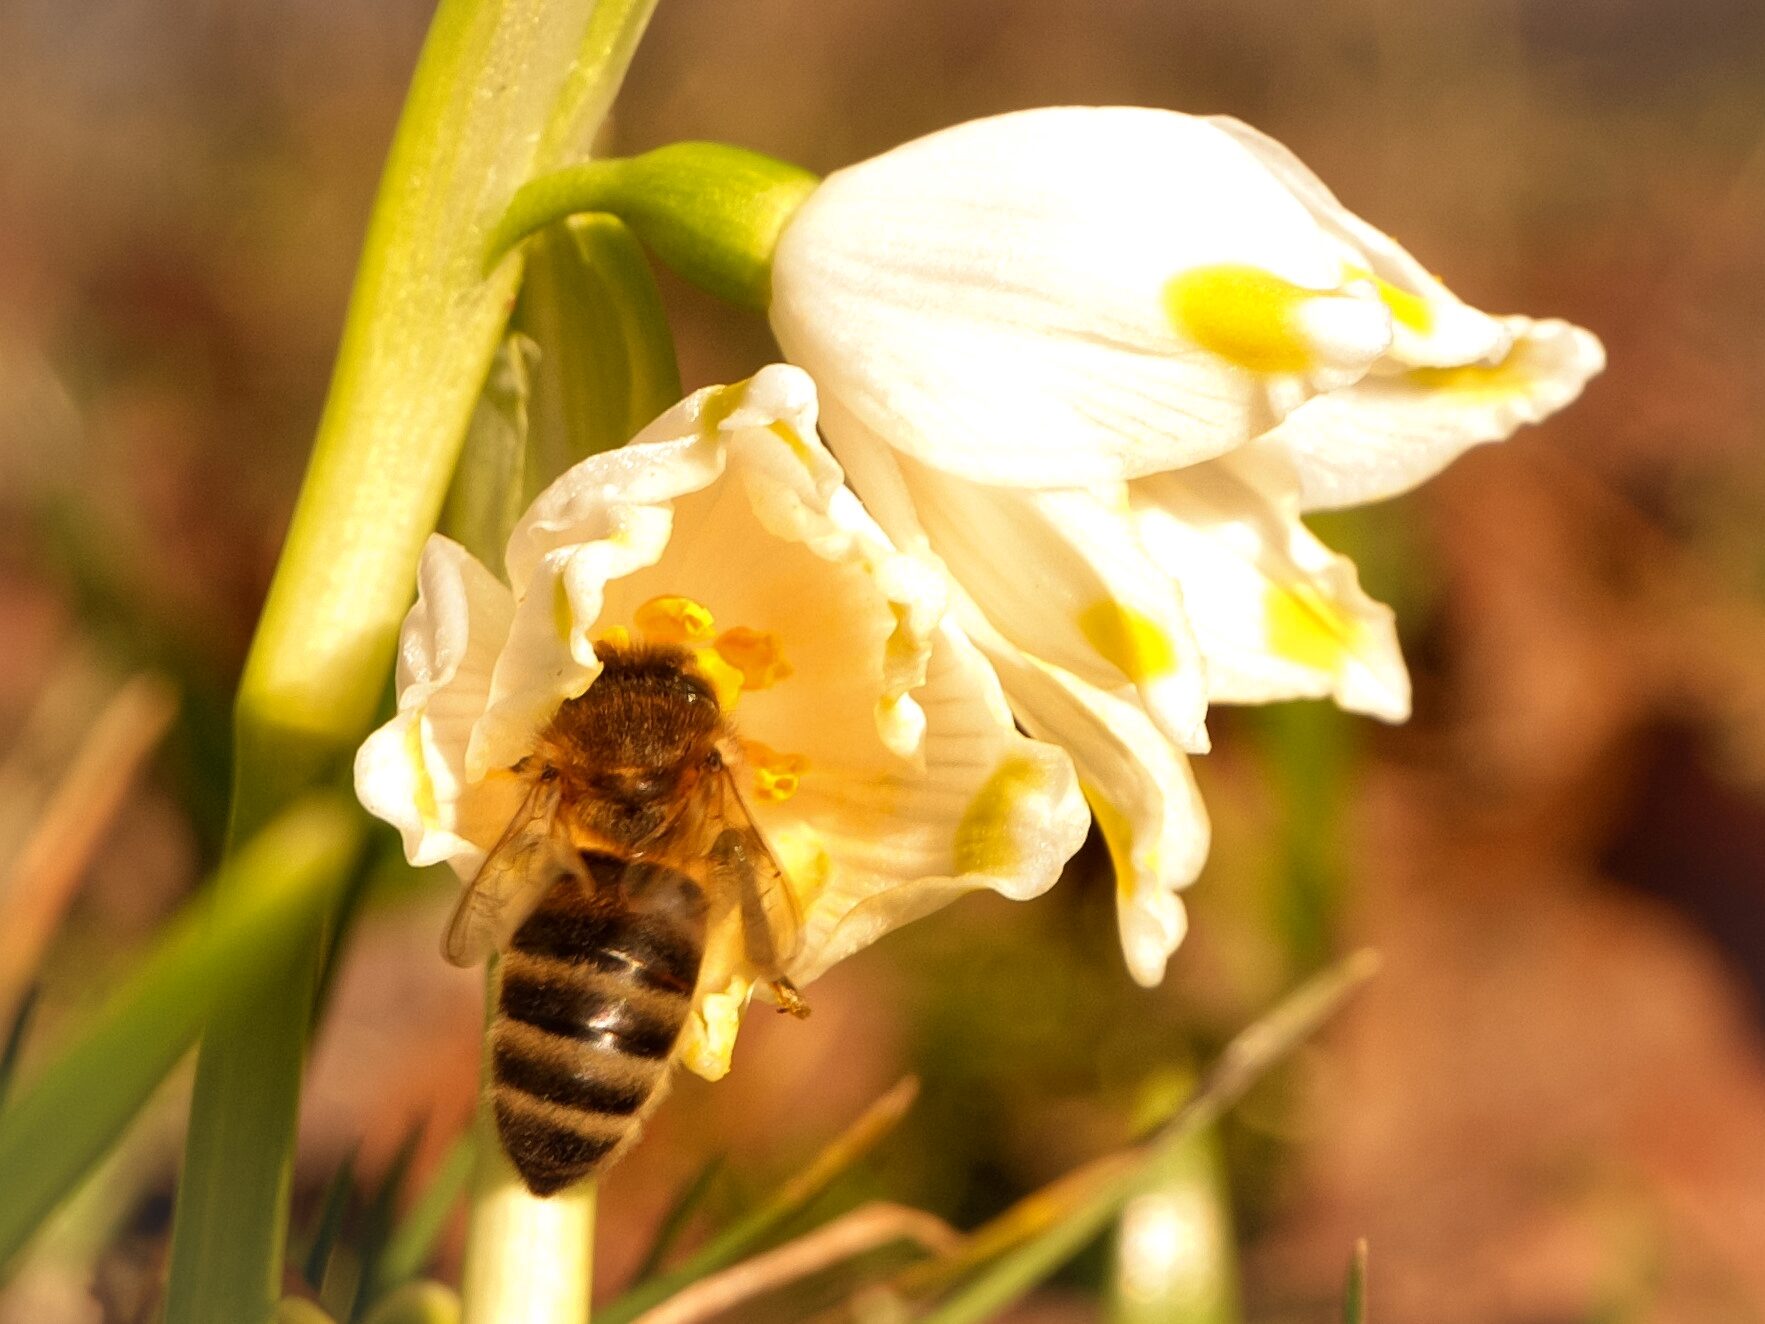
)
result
[(503, 89)]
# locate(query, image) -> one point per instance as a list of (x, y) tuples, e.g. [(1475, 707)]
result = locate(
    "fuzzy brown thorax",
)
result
[(628, 749)]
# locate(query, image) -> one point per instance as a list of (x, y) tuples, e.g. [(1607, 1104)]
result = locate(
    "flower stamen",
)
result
[(777, 776), (754, 653), (672, 619)]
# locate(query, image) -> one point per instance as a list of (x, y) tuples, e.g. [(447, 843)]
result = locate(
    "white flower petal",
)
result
[(601, 541), (1431, 326), (1067, 296), (989, 809), (1061, 575), (1390, 432), (1278, 615), (870, 738), (869, 846), (412, 772), (1139, 786)]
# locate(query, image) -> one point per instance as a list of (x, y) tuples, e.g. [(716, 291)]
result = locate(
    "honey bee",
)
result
[(631, 842)]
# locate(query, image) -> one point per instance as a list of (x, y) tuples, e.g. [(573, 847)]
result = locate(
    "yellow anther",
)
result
[(754, 653), (615, 638), (674, 620), (776, 776), (726, 681), (1242, 313)]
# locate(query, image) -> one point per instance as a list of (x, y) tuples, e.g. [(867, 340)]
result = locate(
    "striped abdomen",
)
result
[(596, 986)]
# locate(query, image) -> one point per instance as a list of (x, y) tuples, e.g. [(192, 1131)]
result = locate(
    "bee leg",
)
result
[(789, 999)]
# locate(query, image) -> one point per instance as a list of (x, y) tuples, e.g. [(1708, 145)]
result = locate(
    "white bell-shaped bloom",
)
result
[(1098, 361), (882, 764)]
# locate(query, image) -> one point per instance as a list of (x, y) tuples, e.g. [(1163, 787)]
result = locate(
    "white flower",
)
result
[(886, 774), (1098, 361)]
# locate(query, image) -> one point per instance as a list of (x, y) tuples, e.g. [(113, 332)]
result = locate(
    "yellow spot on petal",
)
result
[(1129, 640), (1516, 375), (563, 618), (674, 620), (1406, 309), (720, 403), (806, 864), (754, 653), (776, 776), (1244, 314), (1309, 629), (792, 438), (1118, 837), (422, 784), (726, 681), (986, 841)]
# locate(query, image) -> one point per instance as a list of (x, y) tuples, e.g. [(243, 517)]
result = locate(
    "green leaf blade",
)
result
[(266, 904)]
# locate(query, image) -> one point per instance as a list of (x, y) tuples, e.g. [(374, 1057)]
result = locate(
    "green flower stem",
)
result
[(504, 89), (713, 213), (252, 924), (528, 1260)]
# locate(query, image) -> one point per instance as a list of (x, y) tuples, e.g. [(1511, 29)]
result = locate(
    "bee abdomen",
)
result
[(595, 990)]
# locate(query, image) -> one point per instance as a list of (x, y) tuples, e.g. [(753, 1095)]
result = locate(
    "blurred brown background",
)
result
[(1550, 1108)]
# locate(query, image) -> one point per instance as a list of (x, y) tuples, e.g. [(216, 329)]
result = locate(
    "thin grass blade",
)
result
[(15, 1039), (1354, 1295), (679, 1214), (378, 1218), (329, 1223), (1255, 1049), (876, 1122), (412, 1243), (244, 935)]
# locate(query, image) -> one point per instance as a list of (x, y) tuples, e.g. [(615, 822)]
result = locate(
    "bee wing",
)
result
[(741, 865), (520, 869)]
